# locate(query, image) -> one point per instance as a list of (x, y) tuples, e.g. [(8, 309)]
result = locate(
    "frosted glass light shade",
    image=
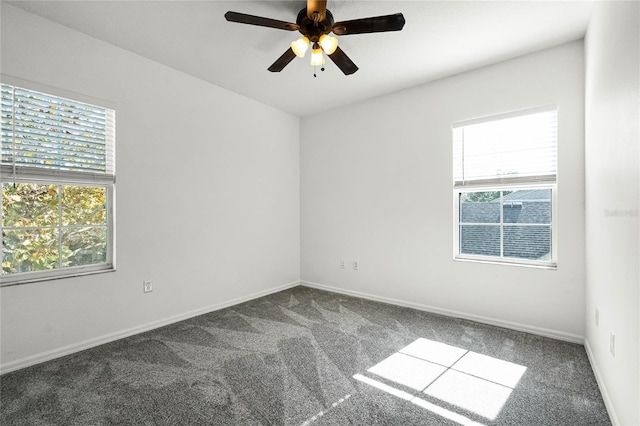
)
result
[(329, 44), (300, 46), (317, 58)]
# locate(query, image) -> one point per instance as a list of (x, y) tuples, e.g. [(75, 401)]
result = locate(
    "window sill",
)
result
[(546, 265), (29, 280)]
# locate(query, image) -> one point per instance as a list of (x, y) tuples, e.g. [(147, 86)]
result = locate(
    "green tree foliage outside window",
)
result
[(52, 226), (482, 197)]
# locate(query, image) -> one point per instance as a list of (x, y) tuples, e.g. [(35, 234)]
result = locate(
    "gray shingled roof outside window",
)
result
[(522, 242)]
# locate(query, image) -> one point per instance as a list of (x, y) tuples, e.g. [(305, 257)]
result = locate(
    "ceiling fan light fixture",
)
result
[(317, 58), (329, 44), (300, 46)]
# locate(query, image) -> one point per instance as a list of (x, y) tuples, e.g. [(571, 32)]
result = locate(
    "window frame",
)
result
[(66, 178), (505, 183)]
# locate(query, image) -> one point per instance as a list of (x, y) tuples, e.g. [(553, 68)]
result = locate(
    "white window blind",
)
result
[(515, 148), (45, 136)]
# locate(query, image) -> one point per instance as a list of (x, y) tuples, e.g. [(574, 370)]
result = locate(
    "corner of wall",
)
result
[(601, 384)]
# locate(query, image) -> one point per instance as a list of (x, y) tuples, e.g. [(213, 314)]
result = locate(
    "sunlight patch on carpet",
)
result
[(476, 383), (323, 412)]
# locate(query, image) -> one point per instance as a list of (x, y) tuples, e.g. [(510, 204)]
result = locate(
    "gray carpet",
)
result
[(309, 357)]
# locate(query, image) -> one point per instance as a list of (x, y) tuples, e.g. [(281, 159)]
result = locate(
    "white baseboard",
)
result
[(603, 388), (554, 334), (100, 340)]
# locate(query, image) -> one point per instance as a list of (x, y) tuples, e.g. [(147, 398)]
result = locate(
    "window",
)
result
[(58, 178), (504, 173)]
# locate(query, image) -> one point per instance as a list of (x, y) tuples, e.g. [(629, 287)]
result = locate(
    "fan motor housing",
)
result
[(311, 29)]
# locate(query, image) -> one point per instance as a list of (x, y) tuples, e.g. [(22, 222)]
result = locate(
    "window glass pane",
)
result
[(527, 206), (528, 242), (29, 250), (480, 207), (84, 245), (84, 205), (29, 205), (480, 240)]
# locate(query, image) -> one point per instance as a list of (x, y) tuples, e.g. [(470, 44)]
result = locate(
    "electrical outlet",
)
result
[(612, 344), (147, 286), (356, 265), (597, 318), (342, 264)]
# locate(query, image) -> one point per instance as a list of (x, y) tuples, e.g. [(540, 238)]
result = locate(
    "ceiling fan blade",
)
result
[(243, 18), (282, 61), (317, 6), (377, 24), (343, 62)]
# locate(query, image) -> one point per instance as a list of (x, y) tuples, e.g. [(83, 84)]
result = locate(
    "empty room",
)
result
[(320, 212)]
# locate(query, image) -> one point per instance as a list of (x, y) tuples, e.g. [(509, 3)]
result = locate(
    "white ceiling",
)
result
[(440, 38)]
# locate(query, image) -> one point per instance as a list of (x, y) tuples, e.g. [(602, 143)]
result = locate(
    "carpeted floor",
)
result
[(308, 357)]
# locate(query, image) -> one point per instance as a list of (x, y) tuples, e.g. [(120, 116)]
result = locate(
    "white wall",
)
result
[(376, 181), (613, 202), (207, 195)]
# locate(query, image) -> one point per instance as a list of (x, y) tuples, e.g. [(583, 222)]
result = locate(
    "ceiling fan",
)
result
[(315, 23)]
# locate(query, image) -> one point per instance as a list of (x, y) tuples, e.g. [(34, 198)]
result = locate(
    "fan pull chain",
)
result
[(314, 70)]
